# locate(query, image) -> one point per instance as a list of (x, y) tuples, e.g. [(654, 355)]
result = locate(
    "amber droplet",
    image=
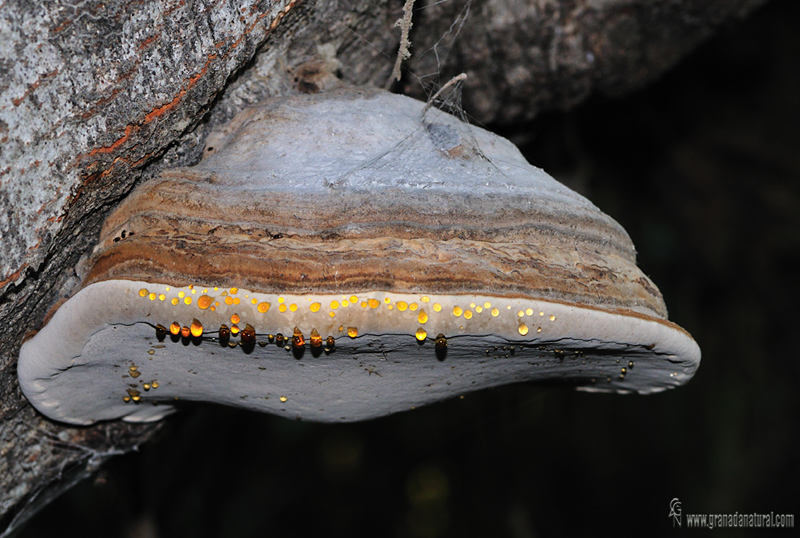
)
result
[(175, 328), (421, 335), (224, 335), (441, 347), (316, 339), (186, 331), (196, 328), (161, 331), (297, 339), (204, 302), (279, 339), (235, 319), (248, 335), (352, 332), (441, 342), (235, 330), (330, 342)]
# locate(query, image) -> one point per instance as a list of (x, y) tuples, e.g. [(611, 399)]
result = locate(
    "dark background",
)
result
[(703, 170)]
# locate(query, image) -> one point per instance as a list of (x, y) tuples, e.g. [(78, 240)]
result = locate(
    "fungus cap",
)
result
[(343, 256)]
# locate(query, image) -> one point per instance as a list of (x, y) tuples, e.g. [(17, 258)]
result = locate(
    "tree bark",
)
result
[(97, 97)]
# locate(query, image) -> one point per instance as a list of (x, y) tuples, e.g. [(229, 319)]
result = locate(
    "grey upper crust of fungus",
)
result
[(405, 257)]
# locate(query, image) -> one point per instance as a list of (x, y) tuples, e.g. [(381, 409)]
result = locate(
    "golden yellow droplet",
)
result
[(478, 309), (298, 340), (529, 311), (422, 317), (521, 313), (457, 311), (204, 302), (353, 299), (152, 296), (402, 306), (143, 292), (161, 297), (334, 305), (472, 305), (293, 307), (126, 399), (146, 386), (363, 304), (196, 328), (352, 332), (413, 306), (495, 312), (387, 300), (283, 399), (133, 368), (316, 339), (345, 304), (315, 307), (191, 286), (253, 301), (188, 300), (154, 384), (487, 305), (374, 303), (263, 307), (234, 291), (538, 329), (541, 314), (174, 328), (234, 330), (331, 314), (181, 294), (468, 314), (282, 308), (523, 329), (552, 318), (421, 334), (174, 300), (425, 299), (437, 307), (236, 300), (281, 300)]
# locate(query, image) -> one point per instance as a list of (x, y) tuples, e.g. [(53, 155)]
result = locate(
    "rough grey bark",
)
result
[(95, 97)]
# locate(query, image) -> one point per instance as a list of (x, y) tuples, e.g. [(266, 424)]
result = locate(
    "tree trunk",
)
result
[(97, 97)]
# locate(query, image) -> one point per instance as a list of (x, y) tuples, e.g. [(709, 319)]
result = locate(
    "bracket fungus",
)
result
[(341, 256)]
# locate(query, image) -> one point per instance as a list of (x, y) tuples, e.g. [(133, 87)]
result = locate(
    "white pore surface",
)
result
[(77, 369), (363, 140)]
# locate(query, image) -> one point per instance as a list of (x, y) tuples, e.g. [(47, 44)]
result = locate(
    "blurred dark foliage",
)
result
[(703, 170)]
